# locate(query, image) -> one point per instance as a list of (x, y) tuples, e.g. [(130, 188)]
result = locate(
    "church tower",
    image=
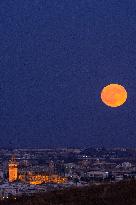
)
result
[(13, 170)]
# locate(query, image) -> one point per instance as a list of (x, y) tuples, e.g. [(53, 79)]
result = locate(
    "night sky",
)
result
[(55, 58)]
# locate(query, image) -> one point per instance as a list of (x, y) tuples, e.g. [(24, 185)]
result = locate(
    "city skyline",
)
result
[(28, 172)]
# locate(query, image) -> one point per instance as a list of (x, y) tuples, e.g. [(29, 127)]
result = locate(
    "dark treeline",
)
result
[(123, 193)]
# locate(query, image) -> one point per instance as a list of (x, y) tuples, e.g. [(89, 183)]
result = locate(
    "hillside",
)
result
[(109, 194)]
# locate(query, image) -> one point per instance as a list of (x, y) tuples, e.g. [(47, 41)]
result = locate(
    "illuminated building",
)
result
[(13, 170), (32, 178), (39, 179)]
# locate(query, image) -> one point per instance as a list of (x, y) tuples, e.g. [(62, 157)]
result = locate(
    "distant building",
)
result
[(13, 170), (32, 178)]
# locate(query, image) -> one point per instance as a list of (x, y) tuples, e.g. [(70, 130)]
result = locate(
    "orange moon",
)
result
[(114, 95)]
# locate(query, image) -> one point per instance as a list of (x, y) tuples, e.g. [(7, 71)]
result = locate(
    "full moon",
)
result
[(114, 95)]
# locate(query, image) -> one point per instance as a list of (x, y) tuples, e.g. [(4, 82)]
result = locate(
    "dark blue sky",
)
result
[(55, 57)]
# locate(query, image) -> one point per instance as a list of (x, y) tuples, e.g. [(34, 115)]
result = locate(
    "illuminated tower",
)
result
[(12, 170)]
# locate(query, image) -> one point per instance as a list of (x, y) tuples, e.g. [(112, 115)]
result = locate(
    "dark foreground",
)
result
[(109, 194)]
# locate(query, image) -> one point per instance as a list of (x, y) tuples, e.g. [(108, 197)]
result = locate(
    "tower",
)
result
[(13, 170)]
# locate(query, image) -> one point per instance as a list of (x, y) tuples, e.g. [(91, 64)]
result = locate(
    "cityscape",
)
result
[(67, 102), (30, 171)]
